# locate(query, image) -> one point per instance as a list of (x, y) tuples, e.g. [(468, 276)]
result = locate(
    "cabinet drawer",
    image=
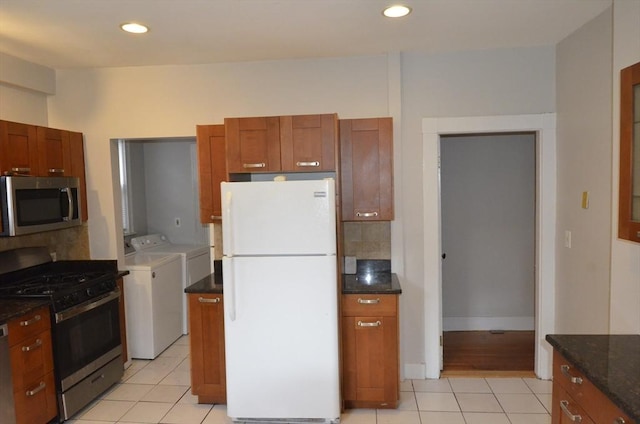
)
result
[(565, 409), (36, 403), (31, 359), (28, 325), (369, 304), (589, 397)]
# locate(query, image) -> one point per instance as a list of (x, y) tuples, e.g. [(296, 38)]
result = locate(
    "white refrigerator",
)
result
[(281, 301)]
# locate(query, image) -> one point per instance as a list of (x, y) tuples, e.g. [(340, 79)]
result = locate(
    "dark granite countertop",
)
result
[(212, 283), (610, 362), (13, 308), (372, 276)]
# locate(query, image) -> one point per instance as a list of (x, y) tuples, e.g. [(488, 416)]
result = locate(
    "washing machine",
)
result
[(196, 262), (153, 302)]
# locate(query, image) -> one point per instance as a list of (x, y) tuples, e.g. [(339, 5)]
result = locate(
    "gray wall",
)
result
[(488, 230), (584, 132)]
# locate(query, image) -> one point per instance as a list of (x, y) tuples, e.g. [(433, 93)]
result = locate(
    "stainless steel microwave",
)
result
[(36, 204)]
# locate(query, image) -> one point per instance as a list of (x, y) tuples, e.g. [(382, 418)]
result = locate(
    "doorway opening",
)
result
[(488, 191), (544, 126)]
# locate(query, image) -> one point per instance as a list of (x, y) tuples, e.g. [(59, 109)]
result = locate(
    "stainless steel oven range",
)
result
[(84, 304)]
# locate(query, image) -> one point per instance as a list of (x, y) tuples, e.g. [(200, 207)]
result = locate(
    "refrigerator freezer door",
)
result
[(281, 335), (279, 218)]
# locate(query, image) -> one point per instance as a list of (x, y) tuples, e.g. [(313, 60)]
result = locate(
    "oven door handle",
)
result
[(77, 310)]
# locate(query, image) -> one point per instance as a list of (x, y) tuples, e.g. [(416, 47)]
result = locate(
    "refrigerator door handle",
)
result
[(227, 226), (230, 292)]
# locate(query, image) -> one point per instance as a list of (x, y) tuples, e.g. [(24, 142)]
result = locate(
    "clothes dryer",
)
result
[(196, 262)]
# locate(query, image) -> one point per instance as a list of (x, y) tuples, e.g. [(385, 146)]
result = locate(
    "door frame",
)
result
[(544, 126)]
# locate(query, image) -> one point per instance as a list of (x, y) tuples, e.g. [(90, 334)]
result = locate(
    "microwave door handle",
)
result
[(70, 201)]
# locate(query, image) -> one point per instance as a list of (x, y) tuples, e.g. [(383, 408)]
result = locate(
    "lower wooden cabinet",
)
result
[(206, 329), (576, 399), (370, 373), (31, 356), (123, 321)]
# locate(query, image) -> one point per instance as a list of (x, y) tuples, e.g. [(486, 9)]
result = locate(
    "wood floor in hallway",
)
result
[(488, 351)]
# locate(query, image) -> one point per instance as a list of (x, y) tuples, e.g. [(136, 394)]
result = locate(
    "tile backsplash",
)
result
[(68, 244), (367, 240)]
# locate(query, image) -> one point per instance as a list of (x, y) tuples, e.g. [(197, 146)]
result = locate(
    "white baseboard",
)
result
[(487, 323), (414, 372)]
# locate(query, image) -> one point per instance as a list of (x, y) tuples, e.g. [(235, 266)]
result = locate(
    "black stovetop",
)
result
[(65, 283)]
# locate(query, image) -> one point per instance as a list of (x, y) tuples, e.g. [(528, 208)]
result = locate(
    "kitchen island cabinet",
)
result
[(212, 170), (596, 379), (366, 169), (370, 339), (206, 329), (31, 359)]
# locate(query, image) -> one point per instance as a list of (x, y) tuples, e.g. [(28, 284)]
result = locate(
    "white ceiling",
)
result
[(85, 33)]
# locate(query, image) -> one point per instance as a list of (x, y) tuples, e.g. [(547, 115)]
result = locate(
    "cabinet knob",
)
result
[(619, 420)]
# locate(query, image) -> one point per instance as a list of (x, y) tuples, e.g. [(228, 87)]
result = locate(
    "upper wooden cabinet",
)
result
[(629, 206), (54, 152), (212, 170), (43, 152), (308, 142), (366, 169), (300, 143), (253, 144), (18, 149)]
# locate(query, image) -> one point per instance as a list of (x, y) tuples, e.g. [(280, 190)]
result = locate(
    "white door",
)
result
[(281, 337), (279, 218)]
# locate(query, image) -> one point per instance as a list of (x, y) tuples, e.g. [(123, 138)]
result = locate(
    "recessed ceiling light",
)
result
[(396, 11), (134, 28)]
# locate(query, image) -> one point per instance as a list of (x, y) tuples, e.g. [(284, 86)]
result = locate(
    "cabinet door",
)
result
[(366, 169), (370, 349), (629, 189), (308, 142), (76, 159), (54, 152), (206, 328), (565, 410), (253, 144), (18, 149), (212, 170), (123, 320)]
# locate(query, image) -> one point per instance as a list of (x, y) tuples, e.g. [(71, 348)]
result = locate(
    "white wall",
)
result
[(488, 191), (24, 87), (169, 101), (584, 164), (171, 191), (625, 256), (494, 82)]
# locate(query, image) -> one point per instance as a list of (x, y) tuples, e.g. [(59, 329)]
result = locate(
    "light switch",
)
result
[(585, 200)]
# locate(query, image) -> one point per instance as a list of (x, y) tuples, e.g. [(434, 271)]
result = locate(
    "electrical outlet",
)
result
[(567, 239), (54, 256)]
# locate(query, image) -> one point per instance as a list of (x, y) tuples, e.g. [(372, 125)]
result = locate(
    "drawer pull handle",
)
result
[(21, 170), (36, 345), (30, 321), (205, 300), (314, 163), (254, 165), (40, 387), (366, 214), (368, 301), (565, 370), (619, 420), (564, 405), (56, 170), (369, 324)]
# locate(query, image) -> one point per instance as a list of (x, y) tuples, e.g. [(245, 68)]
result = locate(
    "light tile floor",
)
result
[(158, 392)]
